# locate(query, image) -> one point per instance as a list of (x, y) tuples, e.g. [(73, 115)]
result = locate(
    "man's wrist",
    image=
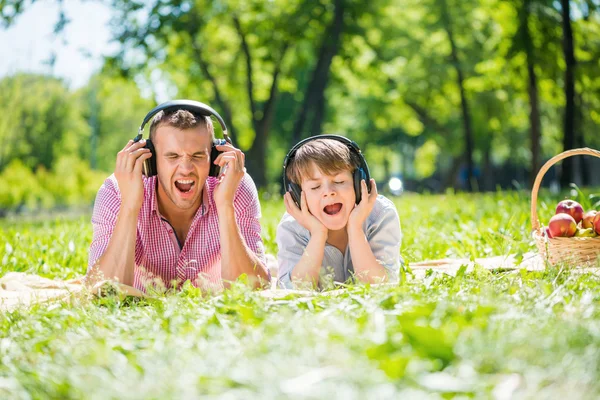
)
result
[(225, 210), (127, 211)]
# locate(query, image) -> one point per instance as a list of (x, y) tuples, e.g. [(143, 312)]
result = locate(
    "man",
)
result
[(181, 224)]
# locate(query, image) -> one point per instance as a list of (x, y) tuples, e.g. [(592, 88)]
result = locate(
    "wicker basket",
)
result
[(570, 251)]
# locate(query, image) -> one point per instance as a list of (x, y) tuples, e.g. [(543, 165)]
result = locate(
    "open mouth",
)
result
[(333, 209), (184, 185)]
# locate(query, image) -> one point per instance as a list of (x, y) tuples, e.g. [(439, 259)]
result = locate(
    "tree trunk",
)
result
[(256, 156), (532, 89), (569, 124), (584, 165), (314, 96), (446, 19)]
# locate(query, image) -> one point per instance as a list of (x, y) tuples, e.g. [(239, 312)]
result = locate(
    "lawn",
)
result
[(511, 334)]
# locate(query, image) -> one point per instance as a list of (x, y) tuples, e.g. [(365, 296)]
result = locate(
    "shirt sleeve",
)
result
[(385, 237), (104, 218), (291, 244), (248, 214)]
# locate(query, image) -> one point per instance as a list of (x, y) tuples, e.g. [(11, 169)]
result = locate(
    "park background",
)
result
[(441, 94), (462, 100)]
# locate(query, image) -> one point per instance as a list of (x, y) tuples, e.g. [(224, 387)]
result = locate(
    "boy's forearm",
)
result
[(366, 267), (236, 257), (118, 260), (309, 266)]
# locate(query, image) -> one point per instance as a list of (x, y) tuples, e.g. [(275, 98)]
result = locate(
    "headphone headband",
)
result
[(188, 105)]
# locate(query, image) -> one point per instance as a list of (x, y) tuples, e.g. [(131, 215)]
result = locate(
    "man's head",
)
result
[(324, 169), (182, 142)]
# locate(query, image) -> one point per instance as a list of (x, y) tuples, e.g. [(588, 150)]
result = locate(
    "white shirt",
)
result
[(382, 229)]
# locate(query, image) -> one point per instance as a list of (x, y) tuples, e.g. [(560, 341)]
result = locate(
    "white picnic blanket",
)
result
[(19, 289)]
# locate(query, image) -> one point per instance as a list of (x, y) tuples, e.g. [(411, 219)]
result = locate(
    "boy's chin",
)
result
[(335, 226)]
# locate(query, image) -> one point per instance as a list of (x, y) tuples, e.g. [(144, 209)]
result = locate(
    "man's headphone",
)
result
[(194, 107), (361, 172)]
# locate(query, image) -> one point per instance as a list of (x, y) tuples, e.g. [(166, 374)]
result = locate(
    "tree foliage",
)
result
[(443, 91)]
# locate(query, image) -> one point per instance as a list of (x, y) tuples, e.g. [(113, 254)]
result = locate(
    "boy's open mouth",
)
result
[(184, 185), (333, 209)]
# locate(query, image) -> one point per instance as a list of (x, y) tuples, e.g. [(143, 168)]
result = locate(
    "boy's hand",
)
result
[(128, 171), (232, 162), (360, 213), (303, 215)]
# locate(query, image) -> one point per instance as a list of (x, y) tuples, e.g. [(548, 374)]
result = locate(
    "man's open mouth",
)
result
[(333, 209), (184, 185)]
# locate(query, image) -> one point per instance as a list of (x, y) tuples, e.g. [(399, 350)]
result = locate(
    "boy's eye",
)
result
[(339, 183), (316, 187)]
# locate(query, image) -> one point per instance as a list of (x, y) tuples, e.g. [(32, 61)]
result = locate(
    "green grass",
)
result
[(477, 335)]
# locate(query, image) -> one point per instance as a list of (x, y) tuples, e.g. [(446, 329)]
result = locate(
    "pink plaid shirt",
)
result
[(158, 253)]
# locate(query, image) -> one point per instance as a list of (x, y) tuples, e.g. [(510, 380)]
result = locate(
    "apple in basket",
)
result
[(588, 219), (597, 223), (562, 225), (572, 208)]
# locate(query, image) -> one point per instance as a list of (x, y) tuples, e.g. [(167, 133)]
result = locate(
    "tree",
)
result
[(44, 121), (570, 112), (219, 52)]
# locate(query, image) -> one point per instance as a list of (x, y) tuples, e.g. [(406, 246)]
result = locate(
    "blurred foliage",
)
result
[(384, 73), (70, 182)]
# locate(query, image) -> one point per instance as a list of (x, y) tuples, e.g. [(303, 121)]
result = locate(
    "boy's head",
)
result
[(324, 170)]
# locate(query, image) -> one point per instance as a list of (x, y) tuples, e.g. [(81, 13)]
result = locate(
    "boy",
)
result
[(330, 230)]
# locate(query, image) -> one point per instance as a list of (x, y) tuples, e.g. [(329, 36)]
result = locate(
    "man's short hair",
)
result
[(181, 119), (329, 155)]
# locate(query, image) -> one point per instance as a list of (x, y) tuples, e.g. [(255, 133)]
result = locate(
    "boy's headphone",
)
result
[(195, 107), (361, 172)]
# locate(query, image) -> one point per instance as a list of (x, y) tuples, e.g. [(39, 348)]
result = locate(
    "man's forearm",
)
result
[(308, 268), (118, 261), (366, 267), (236, 257)]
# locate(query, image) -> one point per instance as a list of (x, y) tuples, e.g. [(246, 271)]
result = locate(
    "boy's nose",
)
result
[(329, 191)]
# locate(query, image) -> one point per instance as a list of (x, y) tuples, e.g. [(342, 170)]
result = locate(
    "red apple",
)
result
[(572, 208), (588, 219), (597, 223), (562, 225), (548, 233)]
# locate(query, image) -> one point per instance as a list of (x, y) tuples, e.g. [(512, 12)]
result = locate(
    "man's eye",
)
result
[(200, 156), (172, 156), (339, 183), (316, 187)]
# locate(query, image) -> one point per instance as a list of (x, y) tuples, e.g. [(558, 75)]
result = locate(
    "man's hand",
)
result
[(304, 216), (360, 213), (128, 171), (232, 162)]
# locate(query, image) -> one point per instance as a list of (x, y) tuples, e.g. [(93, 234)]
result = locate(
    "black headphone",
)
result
[(360, 173), (196, 107)]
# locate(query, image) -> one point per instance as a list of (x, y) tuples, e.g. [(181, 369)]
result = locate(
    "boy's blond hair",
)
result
[(329, 155)]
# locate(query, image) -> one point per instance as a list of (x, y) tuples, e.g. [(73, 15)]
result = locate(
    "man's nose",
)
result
[(186, 163)]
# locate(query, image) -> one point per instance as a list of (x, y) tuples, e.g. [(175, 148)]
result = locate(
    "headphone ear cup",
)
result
[(149, 167), (296, 192), (359, 175), (214, 153)]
